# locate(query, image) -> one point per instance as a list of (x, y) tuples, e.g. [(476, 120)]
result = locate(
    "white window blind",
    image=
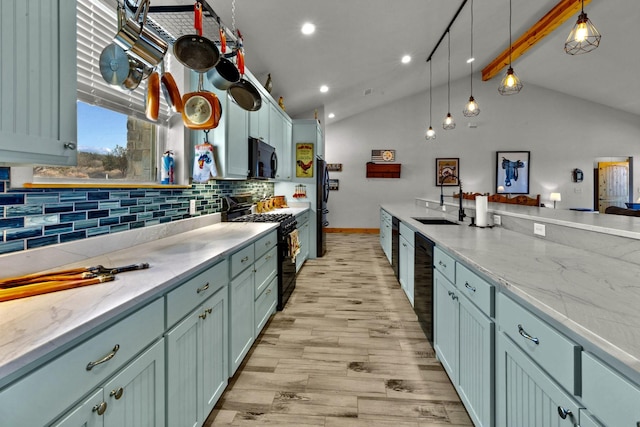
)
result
[(97, 26)]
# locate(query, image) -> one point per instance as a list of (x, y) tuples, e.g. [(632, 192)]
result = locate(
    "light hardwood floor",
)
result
[(347, 351)]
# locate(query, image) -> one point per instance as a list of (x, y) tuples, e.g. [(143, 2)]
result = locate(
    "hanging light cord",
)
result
[(472, 47), (449, 76), (429, 93), (510, 44)]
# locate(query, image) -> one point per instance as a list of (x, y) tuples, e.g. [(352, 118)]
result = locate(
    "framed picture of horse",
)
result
[(512, 172)]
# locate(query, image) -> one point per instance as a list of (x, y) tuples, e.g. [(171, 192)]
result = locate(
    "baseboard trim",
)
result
[(353, 230)]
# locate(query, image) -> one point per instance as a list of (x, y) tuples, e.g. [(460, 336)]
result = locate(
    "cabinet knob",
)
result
[(203, 288), (108, 357), (69, 145), (524, 334), (100, 408), (117, 393), (563, 412)]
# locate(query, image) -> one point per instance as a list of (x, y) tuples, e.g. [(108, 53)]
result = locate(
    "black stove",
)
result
[(238, 209)]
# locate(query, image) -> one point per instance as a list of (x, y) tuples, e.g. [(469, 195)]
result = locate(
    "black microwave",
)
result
[(263, 161)]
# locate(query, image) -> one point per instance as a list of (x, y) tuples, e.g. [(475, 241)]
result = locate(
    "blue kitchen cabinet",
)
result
[(280, 129), (133, 398), (39, 82), (303, 238), (446, 325), (385, 233), (406, 261), (526, 394), (197, 362), (242, 326)]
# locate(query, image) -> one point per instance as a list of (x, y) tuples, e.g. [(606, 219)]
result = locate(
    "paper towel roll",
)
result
[(481, 211)]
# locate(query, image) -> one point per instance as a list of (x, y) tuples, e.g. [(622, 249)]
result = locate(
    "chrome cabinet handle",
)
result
[(117, 393), (108, 357), (563, 412), (245, 259), (524, 334), (268, 291), (404, 244), (450, 293), (100, 408), (203, 288), (268, 243), (442, 264), (468, 286)]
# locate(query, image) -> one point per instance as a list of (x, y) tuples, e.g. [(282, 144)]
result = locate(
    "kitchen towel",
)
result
[(294, 245), (481, 211)]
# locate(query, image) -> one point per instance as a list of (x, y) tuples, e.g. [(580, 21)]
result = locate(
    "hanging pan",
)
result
[(201, 109), (137, 40), (170, 90), (194, 51), (119, 70), (152, 98), (243, 92)]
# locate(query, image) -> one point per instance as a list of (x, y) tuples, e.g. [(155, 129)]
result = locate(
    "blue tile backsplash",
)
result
[(32, 218)]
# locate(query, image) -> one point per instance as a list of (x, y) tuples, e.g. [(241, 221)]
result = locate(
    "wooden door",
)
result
[(613, 184)]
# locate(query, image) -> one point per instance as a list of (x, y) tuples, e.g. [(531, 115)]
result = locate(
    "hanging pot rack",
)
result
[(172, 22)]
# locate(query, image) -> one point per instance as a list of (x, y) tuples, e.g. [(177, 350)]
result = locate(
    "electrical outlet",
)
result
[(426, 204), (444, 208), (497, 220), (539, 229), (192, 207)]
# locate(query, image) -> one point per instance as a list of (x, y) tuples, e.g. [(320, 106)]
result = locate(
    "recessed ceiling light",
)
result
[(470, 60), (406, 59), (331, 115), (324, 88), (308, 28)]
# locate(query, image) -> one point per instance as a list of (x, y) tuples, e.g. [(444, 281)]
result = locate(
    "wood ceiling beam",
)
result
[(557, 16)]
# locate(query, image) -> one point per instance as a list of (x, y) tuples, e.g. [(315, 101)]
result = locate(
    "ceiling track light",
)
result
[(431, 134), (510, 83), (584, 37), (448, 122), (471, 108)]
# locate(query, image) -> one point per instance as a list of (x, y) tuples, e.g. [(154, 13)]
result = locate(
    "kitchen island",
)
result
[(589, 297)]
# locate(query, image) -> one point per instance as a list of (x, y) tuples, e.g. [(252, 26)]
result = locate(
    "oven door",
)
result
[(286, 272)]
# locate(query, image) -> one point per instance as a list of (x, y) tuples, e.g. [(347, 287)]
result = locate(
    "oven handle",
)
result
[(325, 223)]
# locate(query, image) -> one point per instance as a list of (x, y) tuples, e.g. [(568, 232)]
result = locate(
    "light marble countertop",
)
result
[(594, 299), (41, 326)]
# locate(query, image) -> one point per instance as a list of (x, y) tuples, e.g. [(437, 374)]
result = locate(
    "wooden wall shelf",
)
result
[(383, 170)]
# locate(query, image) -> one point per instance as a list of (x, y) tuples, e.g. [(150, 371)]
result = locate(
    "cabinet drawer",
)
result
[(266, 269), (444, 264), (241, 260), (385, 216), (265, 243), (476, 289), (555, 353), (407, 233), (182, 300), (302, 218), (266, 304), (42, 395), (607, 395)]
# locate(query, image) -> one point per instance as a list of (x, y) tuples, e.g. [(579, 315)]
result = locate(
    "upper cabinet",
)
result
[(38, 82)]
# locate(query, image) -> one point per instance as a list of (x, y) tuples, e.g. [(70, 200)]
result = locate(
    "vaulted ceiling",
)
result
[(358, 44)]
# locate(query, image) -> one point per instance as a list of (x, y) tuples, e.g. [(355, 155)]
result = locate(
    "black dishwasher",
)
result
[(423, 284), (395, 246)]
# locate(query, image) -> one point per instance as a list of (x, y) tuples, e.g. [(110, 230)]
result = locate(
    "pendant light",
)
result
[(471, 107), (431, 134), (511, 83), (584, 37), (448, 122)]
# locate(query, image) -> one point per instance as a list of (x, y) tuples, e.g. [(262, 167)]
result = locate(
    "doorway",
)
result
[(613, 183)]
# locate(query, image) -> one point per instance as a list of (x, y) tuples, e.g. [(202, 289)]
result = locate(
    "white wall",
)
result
[(561, 132)]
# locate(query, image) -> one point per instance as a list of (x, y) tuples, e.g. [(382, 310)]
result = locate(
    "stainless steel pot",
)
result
[(137, 40), (119, 70), (224, 74)]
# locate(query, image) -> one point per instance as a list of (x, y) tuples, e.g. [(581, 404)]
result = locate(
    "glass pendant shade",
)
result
[(583, 38), (510, 83), (471, 108), (448, 123), (431, 134)]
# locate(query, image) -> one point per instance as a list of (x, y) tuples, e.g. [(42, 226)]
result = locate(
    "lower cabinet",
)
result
[(242, 327), (527, 396), (133, 398), (303, 237), (197, 362), (385, 233), (406, 263), (464, 344)]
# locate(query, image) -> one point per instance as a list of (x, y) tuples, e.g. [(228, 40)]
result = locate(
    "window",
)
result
[(115, 140)]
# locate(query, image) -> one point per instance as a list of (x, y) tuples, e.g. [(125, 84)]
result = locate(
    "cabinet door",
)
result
[(476, 362), (259, 122), (214, 350), (526, 395), (86, 414), (183, 374), (286, 156), (39, 84), (403, 259), (237, 138), (241, 303), (446, 326), (303, 236), (135, 397)]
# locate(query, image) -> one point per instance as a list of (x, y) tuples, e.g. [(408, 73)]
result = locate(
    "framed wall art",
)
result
[(447, 171), (304, 159), (512, 172), (334, 184), (334, 167)]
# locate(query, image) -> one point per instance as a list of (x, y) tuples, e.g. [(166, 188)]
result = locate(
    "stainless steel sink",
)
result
[(435, 221)]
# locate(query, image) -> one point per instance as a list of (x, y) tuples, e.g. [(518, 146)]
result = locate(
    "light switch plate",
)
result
[(192, 207), (539, 229), (497, 220)]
